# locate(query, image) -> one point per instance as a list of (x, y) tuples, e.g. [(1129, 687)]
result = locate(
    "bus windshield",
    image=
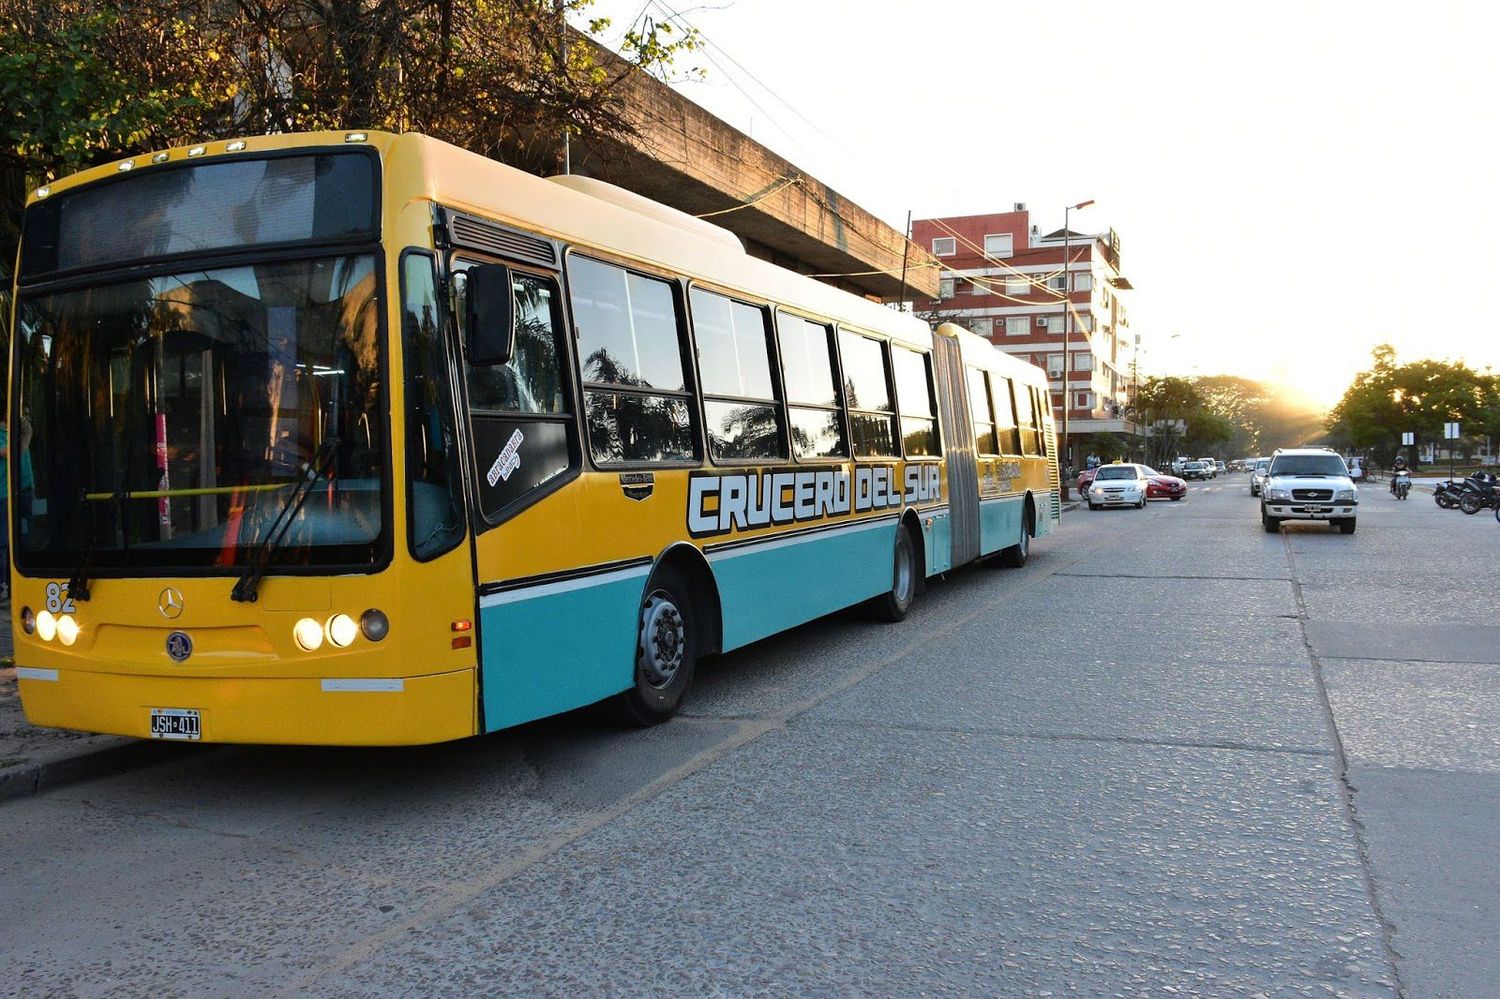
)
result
[(165, 419)]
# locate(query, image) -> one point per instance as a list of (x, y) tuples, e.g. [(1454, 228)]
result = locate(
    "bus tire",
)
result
[(1016, 555), (668, 640), (893, 606)]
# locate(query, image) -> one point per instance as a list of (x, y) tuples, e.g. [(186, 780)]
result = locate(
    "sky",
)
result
[(1292, 183)]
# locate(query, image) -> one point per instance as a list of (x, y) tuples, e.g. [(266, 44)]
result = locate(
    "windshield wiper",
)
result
[(260, 556), (78, 583)]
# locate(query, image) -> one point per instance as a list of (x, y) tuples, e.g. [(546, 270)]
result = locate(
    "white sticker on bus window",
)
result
[(507, 461)]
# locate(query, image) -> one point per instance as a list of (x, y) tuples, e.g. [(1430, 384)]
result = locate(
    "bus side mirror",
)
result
[(489, 315)]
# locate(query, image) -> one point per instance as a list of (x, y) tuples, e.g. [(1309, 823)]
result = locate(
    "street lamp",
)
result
[(1135, 387), (1148, 433), (1067, 360)]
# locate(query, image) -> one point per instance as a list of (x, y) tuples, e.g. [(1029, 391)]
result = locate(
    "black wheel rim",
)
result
[(663, 640)]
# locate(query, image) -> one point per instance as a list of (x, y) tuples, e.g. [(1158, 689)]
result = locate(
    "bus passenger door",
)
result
[(525, 453), (437, 579)]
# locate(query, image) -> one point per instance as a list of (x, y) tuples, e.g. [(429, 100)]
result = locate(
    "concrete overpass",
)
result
[(685, 157)]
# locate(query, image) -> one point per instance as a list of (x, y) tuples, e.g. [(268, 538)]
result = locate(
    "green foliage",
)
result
[(1221, 414), (1390, 399), (87, 81), (1105, 446), (1260, 418)]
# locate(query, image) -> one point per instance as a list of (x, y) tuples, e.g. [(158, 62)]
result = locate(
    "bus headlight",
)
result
[(67, 629), (28, 620), (341, 630), (46, 626), (309, 634)]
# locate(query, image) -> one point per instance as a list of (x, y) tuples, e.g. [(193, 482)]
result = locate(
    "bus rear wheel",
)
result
[(894, 605), (666, 651)]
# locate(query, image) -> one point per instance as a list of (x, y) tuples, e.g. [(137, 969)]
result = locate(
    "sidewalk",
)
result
[(34, 759)]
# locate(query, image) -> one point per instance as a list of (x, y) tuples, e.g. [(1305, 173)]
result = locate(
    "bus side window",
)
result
[(984, 418), (636, 394), (520, 415), (867, 394), (739, 397), (1005, 415), (914, 397), (435, 521), (1024, 418), (807, 363)]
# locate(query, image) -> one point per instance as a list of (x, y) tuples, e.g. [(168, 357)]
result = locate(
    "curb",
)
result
[(34, 778)]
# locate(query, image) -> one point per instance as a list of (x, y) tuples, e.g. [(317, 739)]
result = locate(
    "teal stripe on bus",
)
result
[(767, 588), (558, 646), (1000, 523), (938, 540)]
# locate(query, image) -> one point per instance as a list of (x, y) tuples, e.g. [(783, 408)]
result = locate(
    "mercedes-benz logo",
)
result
[(170, 603)]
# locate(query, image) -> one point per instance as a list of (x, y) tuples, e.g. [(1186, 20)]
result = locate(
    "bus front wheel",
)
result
[(893, 606), (666, 651)]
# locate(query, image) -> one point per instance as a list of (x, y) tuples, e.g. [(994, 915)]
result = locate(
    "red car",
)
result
[(1160, 486), (1084, 478)]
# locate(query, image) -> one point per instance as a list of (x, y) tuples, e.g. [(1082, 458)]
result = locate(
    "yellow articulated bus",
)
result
[(360, 438)]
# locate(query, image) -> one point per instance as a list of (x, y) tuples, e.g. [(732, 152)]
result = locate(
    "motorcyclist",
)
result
[(1398, 469)]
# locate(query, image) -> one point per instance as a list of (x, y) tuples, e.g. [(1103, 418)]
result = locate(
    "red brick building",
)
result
[(1006, 281)]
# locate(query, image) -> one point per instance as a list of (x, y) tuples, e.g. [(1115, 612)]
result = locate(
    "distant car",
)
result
[(1118, 485), (1213, 467), (1258, 475), (1084, 478), (1196, 470), (1218, 468), (1161, 486)]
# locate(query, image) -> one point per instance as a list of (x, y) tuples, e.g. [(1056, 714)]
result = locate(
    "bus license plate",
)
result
[(176, 723)]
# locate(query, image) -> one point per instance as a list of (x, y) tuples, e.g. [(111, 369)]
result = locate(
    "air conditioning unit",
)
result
[(1041, 321), (1020, 206)]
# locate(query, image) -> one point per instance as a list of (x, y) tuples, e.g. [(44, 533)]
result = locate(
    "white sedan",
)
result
[(1118, 485)]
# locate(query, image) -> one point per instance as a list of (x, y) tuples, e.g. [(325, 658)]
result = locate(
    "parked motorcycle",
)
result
[(1480, 493), (1400, 484), (1446, 494)]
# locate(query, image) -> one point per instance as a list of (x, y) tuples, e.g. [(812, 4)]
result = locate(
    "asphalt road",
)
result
[(1173, 753)]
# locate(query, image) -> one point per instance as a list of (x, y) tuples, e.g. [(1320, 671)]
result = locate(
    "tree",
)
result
[(1391, 399), (1105, 446), (1166, 405), (88, 81)]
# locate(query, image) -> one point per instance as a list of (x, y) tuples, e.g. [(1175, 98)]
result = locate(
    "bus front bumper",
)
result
[(400, 711)]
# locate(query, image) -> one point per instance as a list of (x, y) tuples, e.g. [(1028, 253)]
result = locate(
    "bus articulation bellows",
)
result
[(359, 438)]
